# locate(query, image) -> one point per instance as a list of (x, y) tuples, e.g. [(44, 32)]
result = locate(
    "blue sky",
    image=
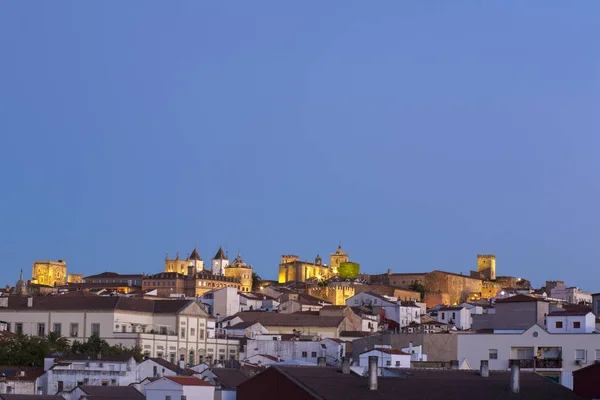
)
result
[(416, 134)]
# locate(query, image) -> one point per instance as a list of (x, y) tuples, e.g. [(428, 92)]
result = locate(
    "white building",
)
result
[(179, 388), (243, 329), (176, 330), (416, 352), (403, 313), (556, 355), (220, 262), (571, 322), (67, 372), (226, 302), (386, 358), (460, 317), (226, 381), (22, 380), (295, 350)]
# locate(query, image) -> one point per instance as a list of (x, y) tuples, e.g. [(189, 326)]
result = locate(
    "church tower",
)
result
[(337, 258), (220, 262), (486, 266), (21, 286), (196, 261)]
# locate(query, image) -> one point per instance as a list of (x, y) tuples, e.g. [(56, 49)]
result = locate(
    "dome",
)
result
[(21, 286), (238, 262)]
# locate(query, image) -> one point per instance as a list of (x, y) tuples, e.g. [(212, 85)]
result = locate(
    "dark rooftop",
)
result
[(229, 378), (332, 384), (112, 392), (519, 298)]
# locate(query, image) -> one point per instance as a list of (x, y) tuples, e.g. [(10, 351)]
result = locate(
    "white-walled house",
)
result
[(402, 313), (460, 317), (571, 322), (176, 330), (22, 380), (556, 355), (226, 302), (157, 368), (180, 388), (66, 372), (309, 351), (386, 358), (416, 352)]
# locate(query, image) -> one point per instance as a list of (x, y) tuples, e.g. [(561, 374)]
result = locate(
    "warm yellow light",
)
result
[(319, 277)]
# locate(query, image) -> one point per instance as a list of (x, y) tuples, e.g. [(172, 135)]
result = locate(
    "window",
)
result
[(8, 327), (60, 386), (443, 315), (304, 354), (19, 328), (172, 358), (182, 357), (558, 324), (580, 354), (41, 329), (58, 328), (167, 397), (453, 315), (96, 329), (155, 371), (200, 333), (79, 383), (101, 365), (183, 333), (105, 382), (183, 397), (163, 330), (597, 355), (397, 363), (74, 330), (192, 331), (388, 363), (355, 301), (493, 354), (576, 324), (313, 354), (113, 382), (9, 389)]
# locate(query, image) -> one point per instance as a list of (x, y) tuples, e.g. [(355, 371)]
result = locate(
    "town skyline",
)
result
[(274, 128)]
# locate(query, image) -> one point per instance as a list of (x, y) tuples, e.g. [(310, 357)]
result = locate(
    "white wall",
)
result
[(385, 360), (158, 390), (476, 347), (587, 323), (226, 302)]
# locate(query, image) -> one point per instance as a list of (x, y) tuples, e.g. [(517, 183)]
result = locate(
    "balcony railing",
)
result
[(539, 363)]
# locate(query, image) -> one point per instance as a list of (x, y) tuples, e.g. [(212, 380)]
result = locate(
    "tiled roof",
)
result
[(387, 351), (195, 255), (95, 303), (188, 380), (568, 313), (417, 384), (114, 275), (519, 298), (220, 255), (229, 378), (450, 308), (112, 392), (13, 373), (172, 367), (354, 334), (291, 320)]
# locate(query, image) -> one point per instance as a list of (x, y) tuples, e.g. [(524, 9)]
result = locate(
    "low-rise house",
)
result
[(257, 301), (103, 392), (243, 329), (226, 381), (158, 367), (305, 349), (308, 383), (460, 317), (66, 372), (416, 352), (554, 355), (571, 322), (387, 358), (180, 388), (395, 313), (22, 380), (302, 323), (434, 327), (295, 302)]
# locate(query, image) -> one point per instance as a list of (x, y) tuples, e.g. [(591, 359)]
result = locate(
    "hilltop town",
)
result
[(211, 329)]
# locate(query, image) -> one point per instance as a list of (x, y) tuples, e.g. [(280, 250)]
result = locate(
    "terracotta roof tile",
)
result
[(188, 380)]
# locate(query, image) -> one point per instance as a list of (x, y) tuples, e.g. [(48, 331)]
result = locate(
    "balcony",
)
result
[(539, 363)]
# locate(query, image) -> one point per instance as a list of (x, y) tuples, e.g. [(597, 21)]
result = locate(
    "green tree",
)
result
[(256, 281), (56, 342), (419, 287)]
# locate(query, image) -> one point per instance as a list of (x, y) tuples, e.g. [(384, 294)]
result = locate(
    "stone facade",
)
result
[(241, 272), (335, 293), (486, 266), (75, 278), (292, 269), (50, 273)]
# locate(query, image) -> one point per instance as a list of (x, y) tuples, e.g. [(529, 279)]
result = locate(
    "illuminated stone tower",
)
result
[(486, 266), (50, 273), (336, 258)]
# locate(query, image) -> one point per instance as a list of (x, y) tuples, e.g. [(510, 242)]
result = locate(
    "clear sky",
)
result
[(416, 134)]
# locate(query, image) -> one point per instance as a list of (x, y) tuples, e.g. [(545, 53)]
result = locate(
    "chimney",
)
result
[(484, 369), (321, 362), (454, 364), (515, 387), (346, 366), (30, 302), (373, 372), (2, 383), (410, 348)]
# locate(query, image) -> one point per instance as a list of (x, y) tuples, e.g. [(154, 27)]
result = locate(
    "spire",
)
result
[(177, 256), (220, 255), (195, 256), (21, 277)]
